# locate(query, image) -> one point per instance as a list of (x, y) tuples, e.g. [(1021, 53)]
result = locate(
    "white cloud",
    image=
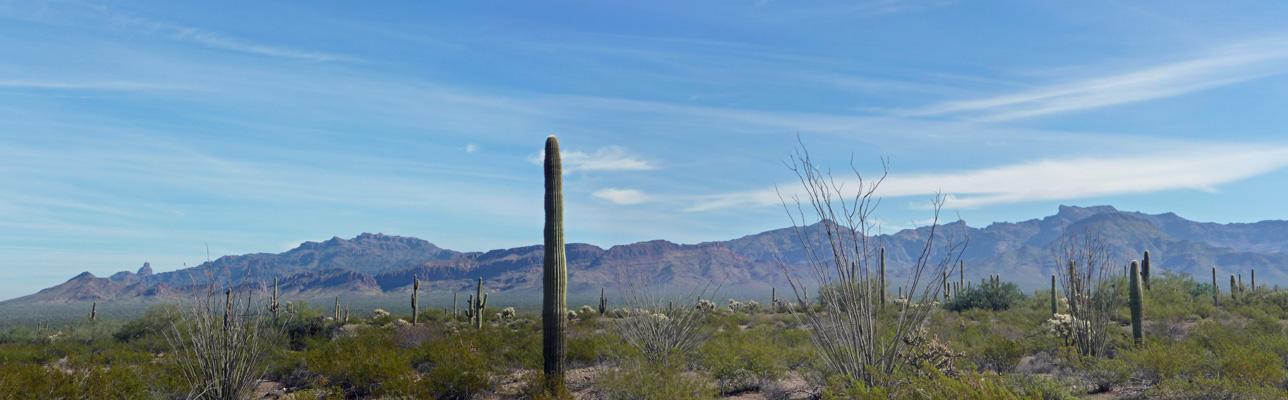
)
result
[(611, 158), (470, 148), (1197, 168), (1218, 67), (621, 196)]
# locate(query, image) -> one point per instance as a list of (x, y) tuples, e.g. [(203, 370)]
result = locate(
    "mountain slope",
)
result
[(376, 264)]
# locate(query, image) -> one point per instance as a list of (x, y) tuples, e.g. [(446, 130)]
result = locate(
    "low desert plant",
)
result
[(642, 380), (986, 297), (221, 347)]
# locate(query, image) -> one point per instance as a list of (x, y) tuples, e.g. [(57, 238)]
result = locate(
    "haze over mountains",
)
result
[(377, 264)]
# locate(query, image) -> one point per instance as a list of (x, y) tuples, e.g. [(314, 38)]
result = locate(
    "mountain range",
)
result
[(378, 264)]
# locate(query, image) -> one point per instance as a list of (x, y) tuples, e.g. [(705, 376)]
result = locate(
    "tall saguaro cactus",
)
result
[(883, 280), (1144, 270), (415, 305), (555, 280), (1216, 290), (1234, 289), (1054, 310), (274, 305), (1137, 303), (93, 311), (603, 302), (475, 304)]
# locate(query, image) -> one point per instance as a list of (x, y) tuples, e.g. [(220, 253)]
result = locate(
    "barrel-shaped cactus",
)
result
[(1136, 293), (555, 279)]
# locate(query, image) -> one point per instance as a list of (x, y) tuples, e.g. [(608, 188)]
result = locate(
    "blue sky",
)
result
[(133, 132)]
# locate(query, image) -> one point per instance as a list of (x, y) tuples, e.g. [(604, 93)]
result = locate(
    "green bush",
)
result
[(638, 380), (452, 368), (741, 361), (150, 327), (1206, 388), (998, 354), (986, 297), (368, 364)]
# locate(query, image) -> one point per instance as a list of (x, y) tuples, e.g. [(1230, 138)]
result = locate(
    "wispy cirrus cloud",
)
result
[(621, 196), (104, 18), (1195, 168), (1217, 67), (610, 158), (224, 42), (86, 85)]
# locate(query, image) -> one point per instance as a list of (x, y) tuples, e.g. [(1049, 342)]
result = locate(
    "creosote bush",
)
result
[(986, 297)]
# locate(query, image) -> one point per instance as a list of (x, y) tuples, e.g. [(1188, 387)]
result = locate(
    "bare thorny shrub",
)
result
[(1086, 270), (657, 327), (855, 335), (221, 342)]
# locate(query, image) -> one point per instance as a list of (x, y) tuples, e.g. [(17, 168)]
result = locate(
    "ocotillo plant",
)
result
[(555, 279), (415, 306), (1136, 292), (1144, 270), (1054, 309)]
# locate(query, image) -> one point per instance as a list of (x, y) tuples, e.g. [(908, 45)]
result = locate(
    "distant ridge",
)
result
[(378, 264)]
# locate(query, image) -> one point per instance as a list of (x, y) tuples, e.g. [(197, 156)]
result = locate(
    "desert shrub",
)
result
[(298, 331), (1031, 387), (368, 364), (588, 348), (381, 317), (1208, 388), (1103, 374), (509, 348), (642, 380), (11, 353), (30, 381), (741, 361), (150, 327), (453, 368), (925, 384), (986, 297), (997, 354), (1155, 361)]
